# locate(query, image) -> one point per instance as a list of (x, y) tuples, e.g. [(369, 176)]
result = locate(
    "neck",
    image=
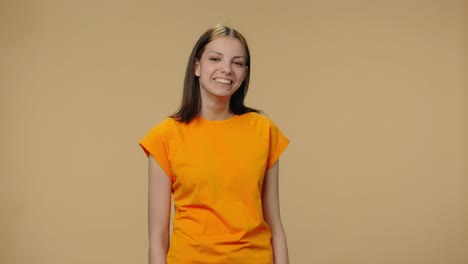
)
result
[(215, 109)]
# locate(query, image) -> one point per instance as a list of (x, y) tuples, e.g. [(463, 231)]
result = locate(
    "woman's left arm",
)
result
[(271, 213)]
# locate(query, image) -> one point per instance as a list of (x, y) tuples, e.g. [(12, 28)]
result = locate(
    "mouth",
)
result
[(222, 80)]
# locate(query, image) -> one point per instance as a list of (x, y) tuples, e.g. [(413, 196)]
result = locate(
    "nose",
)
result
[(226, 67)]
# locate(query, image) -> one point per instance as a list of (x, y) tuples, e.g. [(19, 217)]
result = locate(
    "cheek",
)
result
[(207, 69), (242, 74)]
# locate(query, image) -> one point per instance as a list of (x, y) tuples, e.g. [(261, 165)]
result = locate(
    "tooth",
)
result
[(223, 80)]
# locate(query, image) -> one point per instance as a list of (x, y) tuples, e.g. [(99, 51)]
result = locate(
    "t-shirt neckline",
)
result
[(217, 122)]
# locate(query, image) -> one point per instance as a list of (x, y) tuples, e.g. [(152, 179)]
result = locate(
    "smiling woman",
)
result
[(221, 70), (219, 160), (215, 41)]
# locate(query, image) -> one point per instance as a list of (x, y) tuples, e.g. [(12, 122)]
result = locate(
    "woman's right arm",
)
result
[(159, 212)]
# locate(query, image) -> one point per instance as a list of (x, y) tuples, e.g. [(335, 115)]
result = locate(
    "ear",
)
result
[(245, 72), (197, 68)]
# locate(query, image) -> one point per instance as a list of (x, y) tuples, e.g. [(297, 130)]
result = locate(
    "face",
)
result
[(221, 68)]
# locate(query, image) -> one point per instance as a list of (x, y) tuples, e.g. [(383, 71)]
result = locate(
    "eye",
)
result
[(239, 63), (214, 59)]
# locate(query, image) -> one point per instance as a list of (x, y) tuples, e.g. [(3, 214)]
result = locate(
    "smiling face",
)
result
[(221, 68)]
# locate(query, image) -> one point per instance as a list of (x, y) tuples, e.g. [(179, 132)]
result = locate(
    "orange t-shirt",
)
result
[(217, 170)]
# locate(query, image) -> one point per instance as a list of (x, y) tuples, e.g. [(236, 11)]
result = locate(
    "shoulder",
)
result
[(257, 124), (168, 124), (254, 117), (257, 119), (168, 128), (263, 123)]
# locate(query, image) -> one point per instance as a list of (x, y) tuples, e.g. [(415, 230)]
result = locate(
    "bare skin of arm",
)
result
[(159, 211), (271, 213)]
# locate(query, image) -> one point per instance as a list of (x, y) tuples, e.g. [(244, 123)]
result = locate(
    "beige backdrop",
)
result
[(372, 94)]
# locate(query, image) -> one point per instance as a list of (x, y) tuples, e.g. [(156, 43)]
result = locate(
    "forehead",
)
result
[(227, 46)]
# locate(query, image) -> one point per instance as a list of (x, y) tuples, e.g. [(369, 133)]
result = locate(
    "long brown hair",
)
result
[(191, 100)]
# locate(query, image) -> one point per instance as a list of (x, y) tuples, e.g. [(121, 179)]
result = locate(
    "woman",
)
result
[(219, 160)]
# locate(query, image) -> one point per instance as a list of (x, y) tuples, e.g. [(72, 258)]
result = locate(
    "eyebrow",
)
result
[(219, 53)]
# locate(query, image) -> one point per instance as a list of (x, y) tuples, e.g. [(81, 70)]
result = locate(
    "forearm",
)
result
[(280, 248), (158, 249), (157, 256)]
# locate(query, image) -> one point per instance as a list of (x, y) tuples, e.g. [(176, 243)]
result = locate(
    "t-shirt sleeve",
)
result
[(278, 143), (157, 143)]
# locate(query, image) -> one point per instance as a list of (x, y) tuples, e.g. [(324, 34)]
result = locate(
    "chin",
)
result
[(223, 92), (223, 95)]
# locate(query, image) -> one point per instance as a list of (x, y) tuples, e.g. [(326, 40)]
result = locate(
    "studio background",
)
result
[(372, 94)]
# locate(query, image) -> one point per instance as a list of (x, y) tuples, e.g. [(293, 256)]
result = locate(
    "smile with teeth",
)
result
[(221, 80)]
